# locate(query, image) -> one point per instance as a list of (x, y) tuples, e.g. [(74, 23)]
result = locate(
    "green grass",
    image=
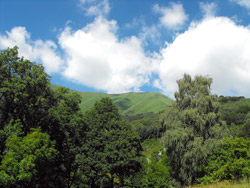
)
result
[(128, 103)]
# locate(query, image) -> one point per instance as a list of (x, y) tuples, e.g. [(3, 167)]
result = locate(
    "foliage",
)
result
[(27, 160), (156, 170), (67, 127), (24, 90), (46, 141), (193, 128), (229, 162), (155, 173), (26, 99), (24, 93), (235, 111), (149, 126), (112, 148), (246, 129), (223, 99)]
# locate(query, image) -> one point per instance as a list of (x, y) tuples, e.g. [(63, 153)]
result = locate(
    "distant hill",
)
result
[(128, 103)]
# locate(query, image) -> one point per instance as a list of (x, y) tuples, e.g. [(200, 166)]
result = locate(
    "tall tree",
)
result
[(24, 90), (26, 97), (112, 149), (67, 127), (193, 128), (24, 93)]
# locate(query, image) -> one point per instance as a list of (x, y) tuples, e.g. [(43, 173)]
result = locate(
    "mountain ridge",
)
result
[(128, 104)]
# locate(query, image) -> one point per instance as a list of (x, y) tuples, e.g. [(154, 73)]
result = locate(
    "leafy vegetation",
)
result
[(193, 128), (155, 169), (149, 126), (25, 158), (235, 111), (229, 162), (112, 149), (62, 138), (46, 141)]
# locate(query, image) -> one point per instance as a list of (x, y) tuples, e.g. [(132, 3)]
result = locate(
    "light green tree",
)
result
[(24, 159), (229, 162), (193, 128)]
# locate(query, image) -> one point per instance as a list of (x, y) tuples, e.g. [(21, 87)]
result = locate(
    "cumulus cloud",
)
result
[(97, 58), (173, 16), (208, 9), (243, 3), (95, 7), (40, 51), (216, 47)]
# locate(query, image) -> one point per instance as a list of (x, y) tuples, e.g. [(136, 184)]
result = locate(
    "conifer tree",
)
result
[(112, 148)]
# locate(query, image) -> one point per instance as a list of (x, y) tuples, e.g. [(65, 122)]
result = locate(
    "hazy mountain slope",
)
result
[(128, 103)]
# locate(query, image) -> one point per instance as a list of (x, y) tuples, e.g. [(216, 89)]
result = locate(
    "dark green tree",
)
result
[(246, 129), (67, 127), (112, 150), (26, 97), (24, 93), (235, 112), (193, 128), (24, 90), (149, 126)]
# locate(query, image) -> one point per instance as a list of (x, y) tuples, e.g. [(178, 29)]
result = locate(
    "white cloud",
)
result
[(150, 33), (147, 33), (98, 59), (216, 47), (95, 7), (135, 23), (173, 16), (208, 9), (39, 51), (243, 3)]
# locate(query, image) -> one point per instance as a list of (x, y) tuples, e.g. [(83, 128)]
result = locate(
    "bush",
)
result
[(229, 162)]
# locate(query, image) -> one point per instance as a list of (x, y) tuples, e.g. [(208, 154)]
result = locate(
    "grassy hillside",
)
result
[(128, 103)]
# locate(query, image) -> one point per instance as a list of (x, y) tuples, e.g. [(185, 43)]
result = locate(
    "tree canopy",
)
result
[(28, 102), (47, 141), (229, 162), (25, 158), (193, 128), (112, 148)]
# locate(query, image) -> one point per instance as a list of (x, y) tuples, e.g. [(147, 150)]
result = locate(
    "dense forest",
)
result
[(48, 139)]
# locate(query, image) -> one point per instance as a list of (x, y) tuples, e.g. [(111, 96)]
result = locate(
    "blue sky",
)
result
[(118, 46)]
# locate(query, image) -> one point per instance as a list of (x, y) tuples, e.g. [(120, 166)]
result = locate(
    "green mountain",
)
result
[(128, 103)]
